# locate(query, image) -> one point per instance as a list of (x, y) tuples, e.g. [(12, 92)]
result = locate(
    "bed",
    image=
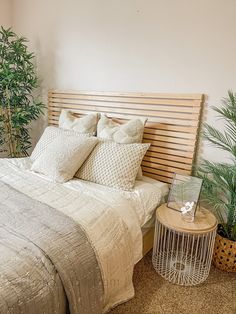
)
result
[(47, 271), (172, 127)]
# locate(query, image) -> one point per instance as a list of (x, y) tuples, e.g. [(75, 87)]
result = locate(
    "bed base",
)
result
[(148, 239)]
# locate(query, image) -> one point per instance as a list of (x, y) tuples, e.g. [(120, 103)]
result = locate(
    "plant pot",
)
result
[(224, 256)]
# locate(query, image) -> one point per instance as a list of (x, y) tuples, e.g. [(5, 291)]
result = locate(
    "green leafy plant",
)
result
[(17, 83), (219, 187)]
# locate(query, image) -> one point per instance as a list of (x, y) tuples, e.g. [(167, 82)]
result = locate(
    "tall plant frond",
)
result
[(224, 175), (231, 129), (227, 113), (230, 100), (219, 179), (217, 138)]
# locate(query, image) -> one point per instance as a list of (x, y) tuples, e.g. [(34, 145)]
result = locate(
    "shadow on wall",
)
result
[(46, 60), (204, 113)]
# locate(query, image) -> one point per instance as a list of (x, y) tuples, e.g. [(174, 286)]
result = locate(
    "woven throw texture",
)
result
[(44, 253)]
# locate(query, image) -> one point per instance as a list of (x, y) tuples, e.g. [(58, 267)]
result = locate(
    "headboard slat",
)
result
[(148, 104), (185, 121), (172, 127), (76, 94)]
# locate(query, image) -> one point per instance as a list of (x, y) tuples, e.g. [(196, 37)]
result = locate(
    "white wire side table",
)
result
[(182, 251)]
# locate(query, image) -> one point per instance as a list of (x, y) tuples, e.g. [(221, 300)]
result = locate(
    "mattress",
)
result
[(149, 224), (150, 219)]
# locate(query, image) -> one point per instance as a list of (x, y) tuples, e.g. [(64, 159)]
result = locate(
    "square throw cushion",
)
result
[(127, 133), (63, 157), (50, 134), (85, 124), (113, 164)]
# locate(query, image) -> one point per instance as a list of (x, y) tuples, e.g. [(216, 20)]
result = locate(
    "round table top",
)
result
[(204, 221)]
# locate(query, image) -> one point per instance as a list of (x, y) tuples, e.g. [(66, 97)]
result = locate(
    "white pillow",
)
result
[(113, 164), (127, 133), (63, 157), (85, 124), (49, 134)]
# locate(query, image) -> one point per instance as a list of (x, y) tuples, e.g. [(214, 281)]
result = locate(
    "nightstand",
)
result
[(182, 251)]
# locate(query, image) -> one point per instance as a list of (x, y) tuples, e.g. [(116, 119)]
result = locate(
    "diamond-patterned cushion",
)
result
[(113, 164), (127, 133)]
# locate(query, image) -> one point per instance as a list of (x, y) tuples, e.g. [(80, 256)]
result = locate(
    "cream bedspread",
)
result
[(114, 231)]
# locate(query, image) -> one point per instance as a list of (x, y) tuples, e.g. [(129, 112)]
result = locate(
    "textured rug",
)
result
[(154, 295)]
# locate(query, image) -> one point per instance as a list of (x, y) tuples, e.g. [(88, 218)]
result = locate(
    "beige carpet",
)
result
[(154, 295)]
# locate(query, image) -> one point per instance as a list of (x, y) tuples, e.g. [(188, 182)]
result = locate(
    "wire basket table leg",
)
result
[(182, 258)]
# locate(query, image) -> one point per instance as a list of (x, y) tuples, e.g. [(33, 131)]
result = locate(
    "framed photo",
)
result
[(184, 193)]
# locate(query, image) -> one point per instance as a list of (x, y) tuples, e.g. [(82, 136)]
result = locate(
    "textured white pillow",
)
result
[(85, 124), (113, 164), (50, 134), (127, 133), (63, 157)]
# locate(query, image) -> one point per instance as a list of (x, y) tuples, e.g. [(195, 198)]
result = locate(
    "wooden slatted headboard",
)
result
[(172, 127)]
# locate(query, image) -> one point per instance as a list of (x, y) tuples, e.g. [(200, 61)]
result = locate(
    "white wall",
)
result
[(136, 45), (5, 13)]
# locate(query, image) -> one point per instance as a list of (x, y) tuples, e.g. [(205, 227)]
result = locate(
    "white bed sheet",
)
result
[(112, 218), (146, 196)]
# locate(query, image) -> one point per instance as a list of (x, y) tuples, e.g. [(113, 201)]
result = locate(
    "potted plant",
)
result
[(17, 83), (219, 185)]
